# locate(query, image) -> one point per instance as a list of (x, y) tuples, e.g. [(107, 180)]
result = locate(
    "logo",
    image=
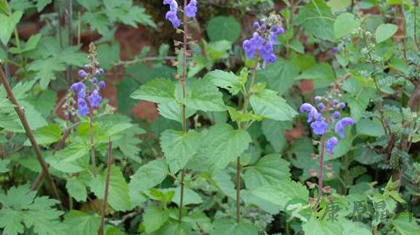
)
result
[(299, 210)]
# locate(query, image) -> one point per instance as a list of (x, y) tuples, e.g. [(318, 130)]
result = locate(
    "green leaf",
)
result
[(268, 104), (350, 227), (230, 227), (223, 144), (30, 45), (21, 206), (321, 227), (316, 18), (281, 75), (205, 96), (297, 46), (345, 24), (190, 197), (173, 110), (45, 70), (129, 143), (279, 195), (223, 28), (76, 189), (108, 54), (4, 163), (97, 21), (269, 170), (223, 182), (41, 4), (370, 127), (8, 24), (159, 90), (46, 135), (179, 148), (149, 175), (239, 116), (73, 151), (154, 217), (81, 223), (385, 31), (226, 80), (406, 224), (118, 198), (274, 132)]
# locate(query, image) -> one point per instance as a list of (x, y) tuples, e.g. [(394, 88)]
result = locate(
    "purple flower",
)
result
[(339, 127), (191, 9), (95, 99), (252, 45), (100, 71), (341, 105), (102, 84), (335, 102), (318, 99), (82, 73), (321, 106), (81, 94), (330, 145), (336, 49), (83, 107), (311, 110), (267, 53), (173, 17), (95, 80), (336, 115), (281, 30), (319, 126), (77, 86), (256, 25)]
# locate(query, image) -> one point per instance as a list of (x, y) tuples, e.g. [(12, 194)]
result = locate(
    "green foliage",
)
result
[(223, 28)]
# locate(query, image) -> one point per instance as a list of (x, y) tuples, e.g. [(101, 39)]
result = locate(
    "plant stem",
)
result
[(28, 131), (69, 23), (92, 142), (238, 159), (321, 158), (105, 201), (184, 121), (238, 189)]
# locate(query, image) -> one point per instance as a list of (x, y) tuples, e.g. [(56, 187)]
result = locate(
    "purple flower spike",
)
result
[(336, 115), (191, 9), (102, 84), (81, 94), (330, 145), (267, 53), (82, 106), (82, 73), (339, 127), (95, 99), (311, 110), (319, 127)]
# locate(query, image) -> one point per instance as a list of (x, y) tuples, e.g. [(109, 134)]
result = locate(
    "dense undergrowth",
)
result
[(209, 117)]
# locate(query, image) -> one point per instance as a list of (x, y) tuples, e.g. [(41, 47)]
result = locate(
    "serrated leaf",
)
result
[(269, 170), (118, 197), (4, 163), (154, 217), (190, 197), (21, 207), (45, 70), (268, 104), (385, 31), (321, 227), (239, 116), (47, 135), (173, 110), (345, 24), (230, 227), (159, 90), (8, 24), (82, 223), (30, 44), (149, 175), (274, 132), (205, 96), (179, 148), (41, 4), (223, 144), (226, 80), (76, 189), (406, 224), (97, 21)]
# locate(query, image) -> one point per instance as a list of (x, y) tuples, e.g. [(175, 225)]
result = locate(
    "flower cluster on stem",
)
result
[(172, 15), (262, 42)]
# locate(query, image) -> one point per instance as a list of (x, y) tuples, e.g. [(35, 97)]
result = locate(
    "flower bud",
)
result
[(310, 184), (82, 74), (102, 84), (95, 80), (326, 189), (256, 25), (318, 99), (313, 173), (321, 106)]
